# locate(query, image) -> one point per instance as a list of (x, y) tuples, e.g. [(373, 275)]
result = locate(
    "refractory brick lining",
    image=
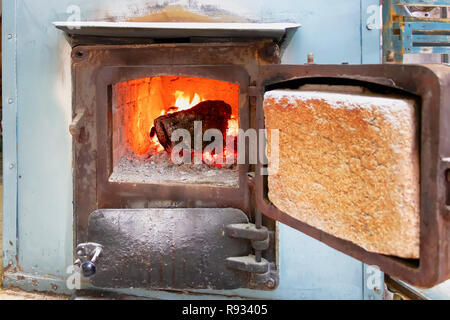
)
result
[(349, 165)]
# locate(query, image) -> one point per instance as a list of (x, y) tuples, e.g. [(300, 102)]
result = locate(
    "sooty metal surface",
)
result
[(167, 248)]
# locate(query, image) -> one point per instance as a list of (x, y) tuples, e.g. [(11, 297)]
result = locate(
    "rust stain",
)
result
[(180, 14), (11, 243), (20, 278), (34, 282), (54, 286)]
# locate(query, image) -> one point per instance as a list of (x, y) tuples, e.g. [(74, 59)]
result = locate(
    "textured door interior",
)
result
[(371, 164)]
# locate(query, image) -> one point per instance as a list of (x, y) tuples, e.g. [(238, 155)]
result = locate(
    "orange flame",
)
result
[(233, 127), (144, 100), (183, 102)]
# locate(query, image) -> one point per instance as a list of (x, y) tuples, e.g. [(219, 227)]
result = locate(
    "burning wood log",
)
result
[(212, 114)]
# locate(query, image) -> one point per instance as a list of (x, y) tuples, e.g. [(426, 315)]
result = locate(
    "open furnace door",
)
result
[(358, 157)]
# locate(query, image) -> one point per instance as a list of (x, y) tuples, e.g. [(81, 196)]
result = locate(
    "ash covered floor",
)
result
[(159, 170)]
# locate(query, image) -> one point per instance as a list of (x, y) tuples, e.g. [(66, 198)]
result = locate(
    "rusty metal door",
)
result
[(430, 85)]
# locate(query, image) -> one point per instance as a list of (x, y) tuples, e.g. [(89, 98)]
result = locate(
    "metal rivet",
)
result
[(10, 100), (12, 165), (10, 36), (270, 283)]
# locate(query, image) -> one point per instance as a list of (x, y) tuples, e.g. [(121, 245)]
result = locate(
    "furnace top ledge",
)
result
[(276, 31)]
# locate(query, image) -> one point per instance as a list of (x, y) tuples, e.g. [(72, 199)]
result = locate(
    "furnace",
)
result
[(144, 219)]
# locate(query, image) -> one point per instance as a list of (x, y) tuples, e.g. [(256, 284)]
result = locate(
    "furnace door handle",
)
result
[(88, 253)]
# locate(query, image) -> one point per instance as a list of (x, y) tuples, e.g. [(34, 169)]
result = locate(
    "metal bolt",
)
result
[(270, 283), (10, 100), (10, 36), (310, 58), (390, 56), (12, 165)]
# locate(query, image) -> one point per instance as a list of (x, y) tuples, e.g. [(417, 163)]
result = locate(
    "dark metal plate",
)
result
[(167, 248)]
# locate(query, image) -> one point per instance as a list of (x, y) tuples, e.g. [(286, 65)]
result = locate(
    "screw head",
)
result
[(270, 284)]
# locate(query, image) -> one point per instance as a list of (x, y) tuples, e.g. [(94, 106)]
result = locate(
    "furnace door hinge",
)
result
[(253, 91), (262, 271)]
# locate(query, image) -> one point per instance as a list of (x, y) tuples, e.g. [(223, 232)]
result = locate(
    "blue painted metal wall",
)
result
[(38, 230)]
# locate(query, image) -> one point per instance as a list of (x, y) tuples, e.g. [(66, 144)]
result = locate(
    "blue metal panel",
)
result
[(45, 231), (437, 39), (406, 34), (335, 31), (9, 124)]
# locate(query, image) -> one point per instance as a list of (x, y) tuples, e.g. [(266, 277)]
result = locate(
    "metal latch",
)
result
[(77, 126), (88, 254), (263, 271)]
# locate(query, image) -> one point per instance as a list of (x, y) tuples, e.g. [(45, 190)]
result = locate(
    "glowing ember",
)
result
[(184, 102), (233, 127)]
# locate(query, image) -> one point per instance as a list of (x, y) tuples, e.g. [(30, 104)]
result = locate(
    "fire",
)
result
[(155, 142), (233, 127), (183, 102), (139, 102)]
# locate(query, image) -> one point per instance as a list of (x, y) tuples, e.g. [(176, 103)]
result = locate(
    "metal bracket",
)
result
[(262, 271), (247, 231), (248, 264), (253, 91)]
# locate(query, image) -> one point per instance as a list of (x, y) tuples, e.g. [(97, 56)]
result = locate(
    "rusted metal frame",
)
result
[(431, 84), (108, 192), (390, 39), (88, 61), (402, 289)]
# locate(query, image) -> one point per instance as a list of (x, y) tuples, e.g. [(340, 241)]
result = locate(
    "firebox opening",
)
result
[(149, 113)]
